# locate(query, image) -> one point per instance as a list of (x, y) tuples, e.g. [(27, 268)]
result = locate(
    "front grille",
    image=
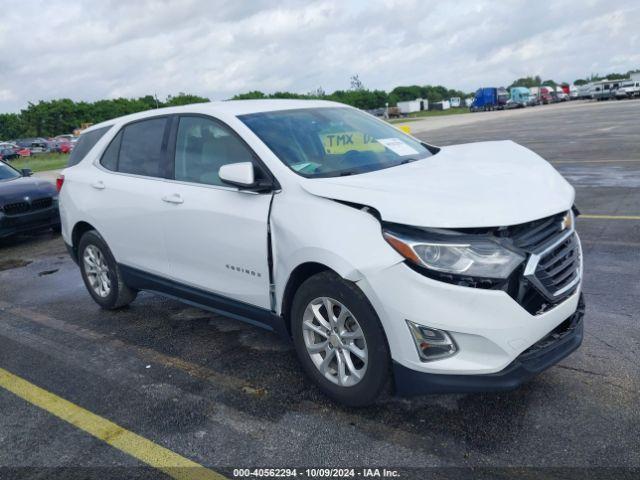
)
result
[(534, 236), (558, 268), (19, 208), (552, 272)]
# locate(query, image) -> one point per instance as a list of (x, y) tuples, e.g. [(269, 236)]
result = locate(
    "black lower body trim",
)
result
[(545, 353), (261, 317), (72, 252)]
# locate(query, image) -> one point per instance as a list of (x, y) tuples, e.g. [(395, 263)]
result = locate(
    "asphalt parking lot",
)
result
[(224, 394)]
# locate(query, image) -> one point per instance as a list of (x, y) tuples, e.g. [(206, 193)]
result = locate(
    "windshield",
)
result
[(7, 172), (330, 142)]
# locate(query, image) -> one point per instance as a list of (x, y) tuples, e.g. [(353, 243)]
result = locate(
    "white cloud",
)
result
[(88, 50), (6, 95)]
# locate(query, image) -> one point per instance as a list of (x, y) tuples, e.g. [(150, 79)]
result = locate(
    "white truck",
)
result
[(413, 106), (584, 91)]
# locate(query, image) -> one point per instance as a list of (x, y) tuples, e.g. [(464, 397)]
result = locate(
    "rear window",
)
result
[(142, 147), (86, 142)]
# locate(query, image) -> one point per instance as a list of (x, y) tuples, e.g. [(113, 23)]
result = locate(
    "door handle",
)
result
[(99, 185), (174, 198)]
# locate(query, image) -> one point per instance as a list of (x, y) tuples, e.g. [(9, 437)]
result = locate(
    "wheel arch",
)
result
[(79, 229), (296, 278)]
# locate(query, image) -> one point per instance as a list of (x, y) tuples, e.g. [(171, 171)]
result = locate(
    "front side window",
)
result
[(202, 147), (85, 143), (330, 142), (7, 172), (142, 148)]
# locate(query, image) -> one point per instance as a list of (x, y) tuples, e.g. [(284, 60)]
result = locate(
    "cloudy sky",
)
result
[(87, 50)]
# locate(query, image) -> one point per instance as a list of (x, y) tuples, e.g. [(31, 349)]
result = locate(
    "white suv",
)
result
[(384, 258)]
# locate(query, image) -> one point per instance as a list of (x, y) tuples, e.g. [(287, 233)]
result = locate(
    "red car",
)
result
[(65, 147)]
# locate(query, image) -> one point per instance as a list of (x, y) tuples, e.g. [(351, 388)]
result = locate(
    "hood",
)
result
[(12, 191), (488, 184)]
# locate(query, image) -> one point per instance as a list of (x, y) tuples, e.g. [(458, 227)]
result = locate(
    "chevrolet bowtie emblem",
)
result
[(567, 222)]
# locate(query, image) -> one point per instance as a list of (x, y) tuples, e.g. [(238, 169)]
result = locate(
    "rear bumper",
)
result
[(27, 222), (545, 353)]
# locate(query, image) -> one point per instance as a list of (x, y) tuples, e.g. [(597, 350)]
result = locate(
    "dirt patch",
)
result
[(47, 272), (10, 263)]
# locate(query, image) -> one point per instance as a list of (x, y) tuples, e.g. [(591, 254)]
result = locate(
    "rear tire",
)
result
[(101, 274), (354, 340)]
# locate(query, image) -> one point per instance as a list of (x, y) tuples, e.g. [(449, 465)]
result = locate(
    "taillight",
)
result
[(59, 182)]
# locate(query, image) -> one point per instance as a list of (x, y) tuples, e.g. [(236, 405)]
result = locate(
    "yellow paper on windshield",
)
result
[(341, 142)]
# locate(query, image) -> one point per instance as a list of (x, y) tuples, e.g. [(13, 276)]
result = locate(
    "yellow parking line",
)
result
[(169, 462), (610, 217)]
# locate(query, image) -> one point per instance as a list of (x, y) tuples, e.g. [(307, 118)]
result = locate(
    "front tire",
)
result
[(339, 340), (101, 274)]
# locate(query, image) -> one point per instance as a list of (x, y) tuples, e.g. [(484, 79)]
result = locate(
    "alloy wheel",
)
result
[(97, 270), (335, 341)]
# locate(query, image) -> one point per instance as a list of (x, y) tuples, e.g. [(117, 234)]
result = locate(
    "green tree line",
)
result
[(54, 117), (367, 99)]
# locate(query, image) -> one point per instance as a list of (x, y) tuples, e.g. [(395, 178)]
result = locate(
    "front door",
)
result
[(216, 235)]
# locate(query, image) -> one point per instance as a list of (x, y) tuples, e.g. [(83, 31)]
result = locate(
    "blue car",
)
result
[(7, 153), (26, 204)]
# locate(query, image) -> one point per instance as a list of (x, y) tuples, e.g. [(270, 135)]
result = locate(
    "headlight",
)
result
[(456, 254)]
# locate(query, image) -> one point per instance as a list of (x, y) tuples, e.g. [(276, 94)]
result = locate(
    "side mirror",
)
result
[(243, 175), (26, 172), (238, 174)]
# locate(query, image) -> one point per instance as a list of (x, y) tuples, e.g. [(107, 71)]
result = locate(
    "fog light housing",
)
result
[(432, 343)]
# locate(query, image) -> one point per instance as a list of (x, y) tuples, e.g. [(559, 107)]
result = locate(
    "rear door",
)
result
[(216, 234), (127, 194)]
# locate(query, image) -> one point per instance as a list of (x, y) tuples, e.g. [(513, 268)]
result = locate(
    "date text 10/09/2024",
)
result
[(315, 472)]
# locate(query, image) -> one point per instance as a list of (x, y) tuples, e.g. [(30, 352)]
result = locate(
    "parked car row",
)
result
[(25, 147), (492, 98)]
